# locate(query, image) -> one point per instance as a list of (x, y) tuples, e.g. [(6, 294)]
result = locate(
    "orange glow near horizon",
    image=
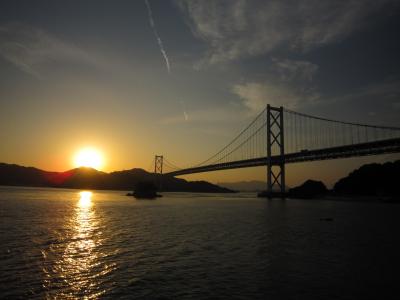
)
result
[(89, 157)]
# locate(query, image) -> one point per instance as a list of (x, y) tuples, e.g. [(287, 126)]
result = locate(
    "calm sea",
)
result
[(68, 244)]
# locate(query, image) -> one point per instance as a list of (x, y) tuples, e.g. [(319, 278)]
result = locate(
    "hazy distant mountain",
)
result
[(245, 186), (88, 178)]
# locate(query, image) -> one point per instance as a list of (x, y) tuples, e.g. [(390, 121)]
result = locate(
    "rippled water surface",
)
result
[(102, 244)]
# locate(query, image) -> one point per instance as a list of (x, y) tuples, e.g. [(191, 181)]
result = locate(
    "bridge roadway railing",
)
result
[(363, 149)]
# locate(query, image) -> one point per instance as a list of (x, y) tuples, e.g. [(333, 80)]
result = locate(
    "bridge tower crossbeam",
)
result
[(275, 140), (158, 169), (158, 164)]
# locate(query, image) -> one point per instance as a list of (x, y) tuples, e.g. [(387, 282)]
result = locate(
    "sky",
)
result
[(182, 78)]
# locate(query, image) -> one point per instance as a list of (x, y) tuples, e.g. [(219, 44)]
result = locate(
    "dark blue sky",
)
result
[(91, 71)]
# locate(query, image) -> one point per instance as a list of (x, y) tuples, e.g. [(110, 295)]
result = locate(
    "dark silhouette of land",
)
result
[(88, 178), (145, 190), (374, 180), (371, 181), (309, 189)]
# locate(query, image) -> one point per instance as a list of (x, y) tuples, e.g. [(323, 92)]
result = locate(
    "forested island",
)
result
[(374, 181)]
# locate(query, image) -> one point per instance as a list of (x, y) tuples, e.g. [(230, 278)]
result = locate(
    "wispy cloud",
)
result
[(185, 115), (256, 95), (159, 41), (32, 49), (289, 83), (294, 70), (209, 115), (239, 28)]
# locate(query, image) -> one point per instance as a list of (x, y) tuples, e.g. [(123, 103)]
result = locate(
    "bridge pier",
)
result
[(276, 147)]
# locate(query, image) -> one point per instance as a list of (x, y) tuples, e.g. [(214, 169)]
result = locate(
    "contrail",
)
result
[(185, 115), (153, 26)]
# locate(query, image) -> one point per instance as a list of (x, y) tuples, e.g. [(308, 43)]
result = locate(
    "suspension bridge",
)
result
[(279, 136)]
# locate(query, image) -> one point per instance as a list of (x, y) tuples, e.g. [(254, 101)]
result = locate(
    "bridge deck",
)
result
[(371, 148)]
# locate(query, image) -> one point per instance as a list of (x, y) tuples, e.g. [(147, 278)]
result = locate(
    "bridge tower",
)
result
[(158, 169), (275, 140)]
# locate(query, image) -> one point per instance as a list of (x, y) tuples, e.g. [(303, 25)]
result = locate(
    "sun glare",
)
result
[(85, 198), (89, 157)]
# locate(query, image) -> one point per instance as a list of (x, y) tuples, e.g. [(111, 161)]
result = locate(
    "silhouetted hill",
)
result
[(371, 180), (88, 178), (81, 178), (11, 174), (309, 189)]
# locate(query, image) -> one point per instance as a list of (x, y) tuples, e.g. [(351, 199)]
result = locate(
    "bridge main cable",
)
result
[(233, 141), (306, 137)]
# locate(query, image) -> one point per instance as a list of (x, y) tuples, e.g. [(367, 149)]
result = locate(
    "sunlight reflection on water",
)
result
[(80, 265), (85, 199)]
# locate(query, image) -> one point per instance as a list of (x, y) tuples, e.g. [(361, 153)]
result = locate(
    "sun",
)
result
[(89, 157)]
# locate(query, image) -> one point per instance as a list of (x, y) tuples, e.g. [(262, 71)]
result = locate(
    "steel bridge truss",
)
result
[(365, 149), (275, 137)]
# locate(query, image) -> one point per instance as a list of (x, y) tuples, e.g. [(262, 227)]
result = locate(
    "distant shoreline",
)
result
[(111, 190), (339, 198)]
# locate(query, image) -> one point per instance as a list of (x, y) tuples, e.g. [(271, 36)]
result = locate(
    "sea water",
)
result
[(70, 244)]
